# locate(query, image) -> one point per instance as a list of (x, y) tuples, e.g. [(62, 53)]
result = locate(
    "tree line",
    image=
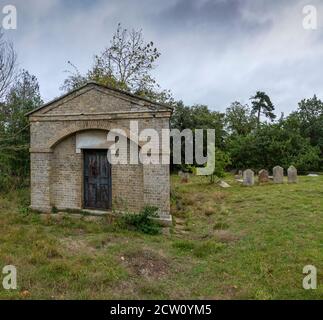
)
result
[(247, 136), (245, 140)]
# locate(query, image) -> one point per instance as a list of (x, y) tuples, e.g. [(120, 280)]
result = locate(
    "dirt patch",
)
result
[(146, 263), (75, 246), (218, 196), (108, 241), (226, 236)]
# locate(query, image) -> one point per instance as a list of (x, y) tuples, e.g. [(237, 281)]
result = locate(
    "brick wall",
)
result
[(66, 175), (57, 170)]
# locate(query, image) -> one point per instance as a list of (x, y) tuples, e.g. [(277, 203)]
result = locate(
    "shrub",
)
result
[(143, 221), (273, 144), (221, 161)]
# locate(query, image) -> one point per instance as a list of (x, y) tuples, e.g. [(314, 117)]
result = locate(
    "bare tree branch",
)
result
[(8, 60)]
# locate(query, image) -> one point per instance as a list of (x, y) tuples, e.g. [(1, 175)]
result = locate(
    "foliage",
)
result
[(22, 97), (295, 140), (221, 162), (309, 120), (143, 221), (129, 59), (126, 64), (198, 117), (240, 119), (261, 104), (271, 145)]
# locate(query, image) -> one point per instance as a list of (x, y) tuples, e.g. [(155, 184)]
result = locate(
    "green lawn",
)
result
[(236, 243)]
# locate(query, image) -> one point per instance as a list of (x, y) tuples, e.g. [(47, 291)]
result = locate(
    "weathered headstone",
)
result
[(292, 174), (248, 178), (278, 173), (263, 176)]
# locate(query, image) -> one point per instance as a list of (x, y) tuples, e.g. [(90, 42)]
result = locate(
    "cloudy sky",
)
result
[(213, 51)]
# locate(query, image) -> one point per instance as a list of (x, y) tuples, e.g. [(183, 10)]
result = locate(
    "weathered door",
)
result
[(97, 180)]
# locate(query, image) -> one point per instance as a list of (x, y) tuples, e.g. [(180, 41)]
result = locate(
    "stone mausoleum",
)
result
[(69, 163)]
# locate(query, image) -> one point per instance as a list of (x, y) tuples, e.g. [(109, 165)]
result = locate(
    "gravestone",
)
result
[(223, 184), (263, 176), (248, 178), (239, 175), (292, 174), (278, 173)]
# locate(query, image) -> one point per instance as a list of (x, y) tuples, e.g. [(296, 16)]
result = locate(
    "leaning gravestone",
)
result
[(248, 178), (292, 174), (263, 176), (278, 173), (223, 184)]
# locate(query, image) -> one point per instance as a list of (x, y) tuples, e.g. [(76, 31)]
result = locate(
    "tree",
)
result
[(74, 79), (181, 117), (261, 104), (240, 119), (310, 120), (273, 144), (129, 59), (22, 97), (198, 117), (125, 64), (7, 66)]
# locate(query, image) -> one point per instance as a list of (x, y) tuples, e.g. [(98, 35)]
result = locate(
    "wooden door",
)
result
[(97, 180)]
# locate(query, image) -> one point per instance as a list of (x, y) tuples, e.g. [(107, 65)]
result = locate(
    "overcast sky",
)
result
[(213, 51)]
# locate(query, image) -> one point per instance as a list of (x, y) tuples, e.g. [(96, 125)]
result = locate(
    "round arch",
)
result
[(84, 126)]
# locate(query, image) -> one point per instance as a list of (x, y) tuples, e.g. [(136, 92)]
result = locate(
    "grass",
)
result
[(235, 243)]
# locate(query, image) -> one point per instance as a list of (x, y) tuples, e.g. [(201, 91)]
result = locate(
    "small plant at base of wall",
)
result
[(142, 221)]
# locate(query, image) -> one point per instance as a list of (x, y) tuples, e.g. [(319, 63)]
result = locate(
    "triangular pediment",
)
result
[(96, 99)]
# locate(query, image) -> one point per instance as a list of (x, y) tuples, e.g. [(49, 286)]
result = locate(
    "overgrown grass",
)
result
[(236, 243)]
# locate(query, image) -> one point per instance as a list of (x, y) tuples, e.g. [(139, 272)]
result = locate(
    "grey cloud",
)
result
[(209, 16), (213, 52)]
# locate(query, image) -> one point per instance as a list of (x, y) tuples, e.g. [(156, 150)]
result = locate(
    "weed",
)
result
[(143, 221), (220, 226)]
